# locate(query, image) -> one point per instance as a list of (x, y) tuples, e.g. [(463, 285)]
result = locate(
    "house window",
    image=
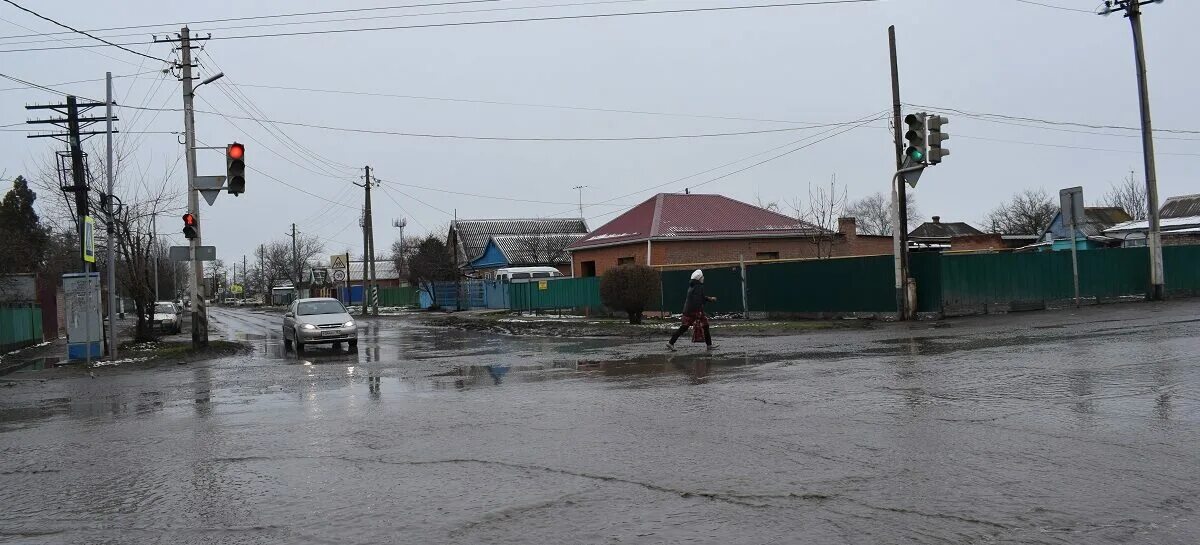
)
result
[(589, 268), (625, 261), (766, 255)]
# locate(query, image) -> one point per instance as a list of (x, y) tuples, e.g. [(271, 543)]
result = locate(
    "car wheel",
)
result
[(353, 344)]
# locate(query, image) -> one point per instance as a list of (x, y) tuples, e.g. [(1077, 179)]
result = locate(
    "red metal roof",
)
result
[(676, 215)]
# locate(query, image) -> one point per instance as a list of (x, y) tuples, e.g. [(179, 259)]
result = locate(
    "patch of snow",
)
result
[(604, 236), (106, 363)]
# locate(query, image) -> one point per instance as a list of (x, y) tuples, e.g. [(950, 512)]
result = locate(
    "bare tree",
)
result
[(1128, 195), (821, 211), (874, 213), (402, 252), (772, 205), (543, 246), (1028, 213), (284, 264)]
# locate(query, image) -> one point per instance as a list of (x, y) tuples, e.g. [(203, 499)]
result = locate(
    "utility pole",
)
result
[(296, 261), (899, 195), (1133, 11), (199, 312), (109, 230), (580, 189), (370, 299)]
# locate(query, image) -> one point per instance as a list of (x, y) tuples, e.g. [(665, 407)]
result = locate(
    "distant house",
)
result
[(385, 273), (1179, 222), (936, 234), (1089, 232), (526, 251), (686, 230), (523, 240)]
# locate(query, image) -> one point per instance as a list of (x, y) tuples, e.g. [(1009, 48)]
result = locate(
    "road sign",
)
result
[(182, 253), (236, 289), (320, 277), (543, 285), (1070, 201), (337, 261), (210, 187), (339, 275), (89, 239)]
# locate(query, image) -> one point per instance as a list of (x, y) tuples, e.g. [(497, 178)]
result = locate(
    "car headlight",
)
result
[(308, 326), (348, 324)]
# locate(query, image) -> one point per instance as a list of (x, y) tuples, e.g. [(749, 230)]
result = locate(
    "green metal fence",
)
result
[(1181, 270), (20, 326), (404, 296), (861, 284), (724, 283), (563, 293)]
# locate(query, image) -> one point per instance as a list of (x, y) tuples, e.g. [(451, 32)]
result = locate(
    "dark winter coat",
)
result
[(695, 298)]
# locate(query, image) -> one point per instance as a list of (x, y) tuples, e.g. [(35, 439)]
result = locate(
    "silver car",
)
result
[(318, 320), (168, 317)]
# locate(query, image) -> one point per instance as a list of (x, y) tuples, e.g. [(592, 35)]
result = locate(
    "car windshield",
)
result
[(164, 309), (319, 307)]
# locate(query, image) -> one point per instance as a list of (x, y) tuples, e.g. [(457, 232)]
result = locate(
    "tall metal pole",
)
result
[(366, 284), (1154, 237), (371, 242), (296, 261), (78, 177), (199, 312), (899, 195), (112, 249), (154, 237)]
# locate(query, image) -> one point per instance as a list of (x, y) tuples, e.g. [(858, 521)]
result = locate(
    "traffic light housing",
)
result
[(935, 138), (235, 168), (190, 226), (917, 151)]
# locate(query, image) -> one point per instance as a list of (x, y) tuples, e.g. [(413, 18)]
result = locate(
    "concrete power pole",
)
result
[(1133, 11), (199, 310), (112, 241), (296, 260), (370, 297), (900, 196), (580, 189)]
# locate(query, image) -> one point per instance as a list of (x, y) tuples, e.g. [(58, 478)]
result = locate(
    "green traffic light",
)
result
[(916, 155)]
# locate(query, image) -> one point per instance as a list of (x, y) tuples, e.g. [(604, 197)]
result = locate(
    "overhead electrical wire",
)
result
[(343, 20), (286, 184), (106, 42), (490, 22), (1050, 122), (1052, 6)]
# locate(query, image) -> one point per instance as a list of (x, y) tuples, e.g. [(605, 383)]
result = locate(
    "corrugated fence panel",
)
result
[(861, 284), (926, 269), (1181, 269), (563, 293), (1111, 273), (404, 296), (724, 283), (20, 326)]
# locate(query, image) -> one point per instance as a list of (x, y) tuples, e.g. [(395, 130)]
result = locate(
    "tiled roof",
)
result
[(1182, 206), (932, 229), (674, 215), (385, 269), (531, 250), (473, 235)]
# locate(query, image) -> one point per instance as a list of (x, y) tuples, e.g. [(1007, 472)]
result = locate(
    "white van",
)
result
[(515, 275)]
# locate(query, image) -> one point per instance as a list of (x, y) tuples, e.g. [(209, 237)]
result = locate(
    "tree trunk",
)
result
[(635, 317)]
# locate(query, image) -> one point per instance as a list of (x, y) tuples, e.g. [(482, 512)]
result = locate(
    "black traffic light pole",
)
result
[(900, 234)]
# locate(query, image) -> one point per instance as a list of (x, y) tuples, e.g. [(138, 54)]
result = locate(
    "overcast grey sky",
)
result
[(772, 68)]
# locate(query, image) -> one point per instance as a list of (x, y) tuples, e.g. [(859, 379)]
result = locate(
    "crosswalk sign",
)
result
[(89, 239)]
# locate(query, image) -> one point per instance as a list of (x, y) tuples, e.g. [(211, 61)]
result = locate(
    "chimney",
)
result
[(937, 219), (848, 226)]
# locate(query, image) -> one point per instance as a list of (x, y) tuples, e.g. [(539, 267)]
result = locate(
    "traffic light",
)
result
[(189, 226), (917, 151), (935, 150), (235, 168)]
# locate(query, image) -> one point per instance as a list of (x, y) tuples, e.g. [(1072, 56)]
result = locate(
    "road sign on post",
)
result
[(337, 261), (183, 253), (89, 239)]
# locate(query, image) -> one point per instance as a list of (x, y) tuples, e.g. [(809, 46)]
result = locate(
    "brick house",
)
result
[(684, 230), (1179, 224)]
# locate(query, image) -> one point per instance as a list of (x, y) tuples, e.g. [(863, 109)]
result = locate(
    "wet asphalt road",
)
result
[(1033, 428)]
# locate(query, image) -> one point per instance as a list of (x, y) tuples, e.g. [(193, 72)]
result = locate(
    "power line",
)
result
[(1065, 146), (118, 46), (519, 104), (273, 16), (1051, 122), (482, 196), (115, 76), (348, 19), (64, 41), (285, 183), (491, 22), (1052, 6)]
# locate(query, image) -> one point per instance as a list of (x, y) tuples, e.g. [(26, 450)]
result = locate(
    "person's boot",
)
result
[(670, 347)]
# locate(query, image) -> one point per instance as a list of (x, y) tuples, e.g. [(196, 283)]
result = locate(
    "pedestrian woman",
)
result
[(693, 313)]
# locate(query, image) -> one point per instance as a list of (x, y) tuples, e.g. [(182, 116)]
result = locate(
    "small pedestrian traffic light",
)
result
[(917, 151), (235, 168), (935, 150), (189, 226)]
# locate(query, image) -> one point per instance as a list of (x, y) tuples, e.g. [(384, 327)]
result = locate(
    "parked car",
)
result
[(229, 301), (168, 317), (318, 320), (517, 275)]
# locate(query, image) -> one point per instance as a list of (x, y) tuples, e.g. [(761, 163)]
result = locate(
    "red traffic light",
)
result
[(235, 151), (189, 220)]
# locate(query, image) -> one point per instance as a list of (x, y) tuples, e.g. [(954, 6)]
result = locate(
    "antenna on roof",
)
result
[(687, 191)]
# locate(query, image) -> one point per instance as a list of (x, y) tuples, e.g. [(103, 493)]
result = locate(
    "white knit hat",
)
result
[(698, 275)]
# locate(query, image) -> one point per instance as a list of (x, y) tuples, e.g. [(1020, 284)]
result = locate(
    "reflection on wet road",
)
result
[(1037, 428)]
